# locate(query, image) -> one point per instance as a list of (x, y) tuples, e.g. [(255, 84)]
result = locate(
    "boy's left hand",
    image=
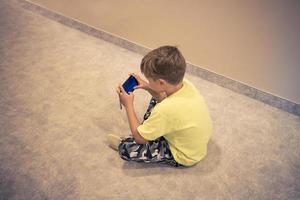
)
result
[(125, 98)]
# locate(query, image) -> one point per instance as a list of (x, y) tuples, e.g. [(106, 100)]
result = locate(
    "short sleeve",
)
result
[(155, 126)]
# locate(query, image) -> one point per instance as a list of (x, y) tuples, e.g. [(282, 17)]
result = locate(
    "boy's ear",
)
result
[(162, 82)]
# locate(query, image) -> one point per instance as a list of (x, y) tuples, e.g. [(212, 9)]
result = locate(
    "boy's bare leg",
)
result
[(114, 141)]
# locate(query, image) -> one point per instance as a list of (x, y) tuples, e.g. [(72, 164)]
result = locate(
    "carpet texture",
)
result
[(58, 102)]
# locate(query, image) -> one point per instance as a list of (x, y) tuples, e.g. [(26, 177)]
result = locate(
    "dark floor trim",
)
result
[(223, 81)]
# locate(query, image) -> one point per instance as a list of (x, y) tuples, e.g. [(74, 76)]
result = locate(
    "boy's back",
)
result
[(184, 121)]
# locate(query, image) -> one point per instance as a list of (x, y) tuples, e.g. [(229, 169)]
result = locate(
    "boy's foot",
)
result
[(114, 141)]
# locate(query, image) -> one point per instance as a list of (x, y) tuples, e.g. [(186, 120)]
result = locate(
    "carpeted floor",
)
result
[(58, 101)]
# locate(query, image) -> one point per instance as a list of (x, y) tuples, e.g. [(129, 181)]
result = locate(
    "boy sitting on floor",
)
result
[(177, 125)]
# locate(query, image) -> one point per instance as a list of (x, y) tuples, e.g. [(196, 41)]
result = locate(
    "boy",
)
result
[(177, 124)]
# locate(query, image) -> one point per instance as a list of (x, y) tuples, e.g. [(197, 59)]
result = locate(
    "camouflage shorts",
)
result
[(157, 151)]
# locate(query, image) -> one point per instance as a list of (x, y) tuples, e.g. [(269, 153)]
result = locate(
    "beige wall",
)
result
[(255, 42)]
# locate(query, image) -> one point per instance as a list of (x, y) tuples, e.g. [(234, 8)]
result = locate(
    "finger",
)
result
[(118, 90), (119, 86), (119, 95), (122, 89), (137, 87), (132, 74), (135, 76), (131, 94)]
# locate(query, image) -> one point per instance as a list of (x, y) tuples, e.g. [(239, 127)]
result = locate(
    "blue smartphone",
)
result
[(130, 83)]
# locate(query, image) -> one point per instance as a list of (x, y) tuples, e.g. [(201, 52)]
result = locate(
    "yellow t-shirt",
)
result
[(184, 121)]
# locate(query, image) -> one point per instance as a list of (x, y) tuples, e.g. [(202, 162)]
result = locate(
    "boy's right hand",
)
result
[(142, 84)]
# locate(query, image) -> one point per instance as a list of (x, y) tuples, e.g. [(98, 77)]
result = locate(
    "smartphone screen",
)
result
[(129, 84)]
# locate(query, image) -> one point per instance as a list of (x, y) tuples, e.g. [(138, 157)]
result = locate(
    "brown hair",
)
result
[(165, 62)]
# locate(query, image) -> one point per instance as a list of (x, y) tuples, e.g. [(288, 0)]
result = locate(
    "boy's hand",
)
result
[(145, 85), (125, 98), (142, 83)]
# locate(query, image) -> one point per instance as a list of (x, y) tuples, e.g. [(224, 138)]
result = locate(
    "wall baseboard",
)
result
[(218, 79)]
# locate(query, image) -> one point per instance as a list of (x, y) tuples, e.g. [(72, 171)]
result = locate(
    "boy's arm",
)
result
[(144, 85), (127, 101), (134, 123)]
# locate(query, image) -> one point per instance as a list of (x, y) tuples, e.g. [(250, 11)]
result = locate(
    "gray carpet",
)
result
[(58, 101)]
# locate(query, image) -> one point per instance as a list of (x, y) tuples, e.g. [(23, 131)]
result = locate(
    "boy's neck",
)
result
[(171, 89)]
